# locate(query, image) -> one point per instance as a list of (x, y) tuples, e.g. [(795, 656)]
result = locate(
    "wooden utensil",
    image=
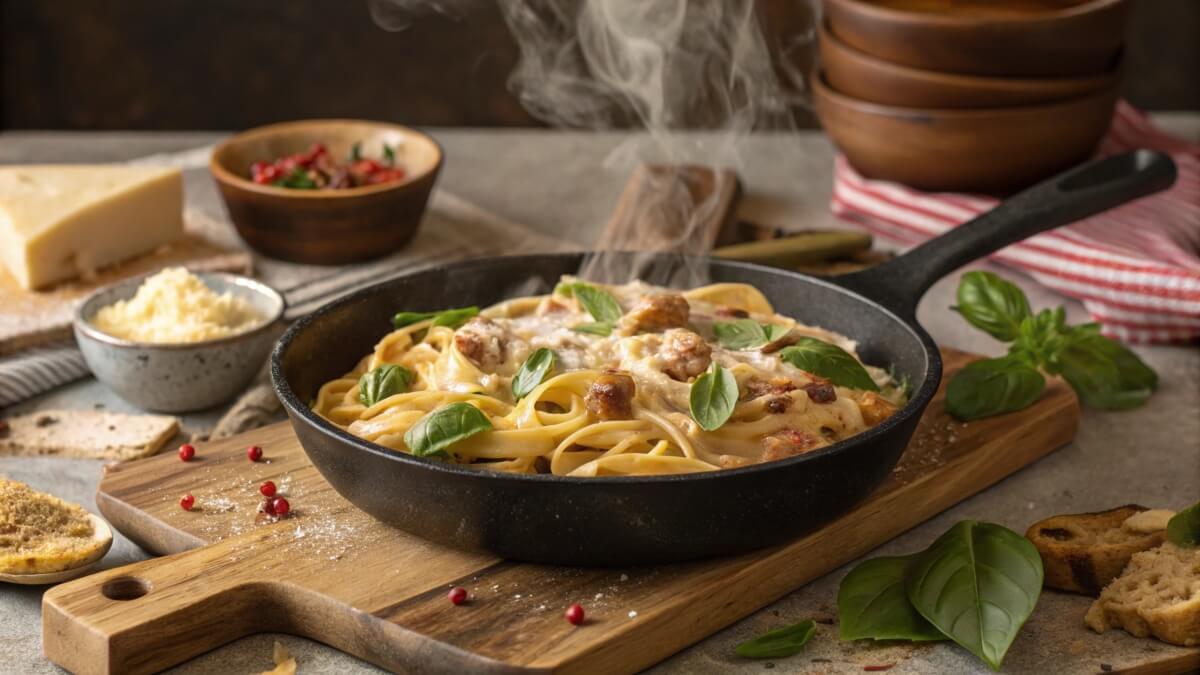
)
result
[(101, 532), (332, 573)]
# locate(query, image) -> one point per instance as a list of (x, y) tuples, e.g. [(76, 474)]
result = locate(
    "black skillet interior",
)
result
[(644, 520)]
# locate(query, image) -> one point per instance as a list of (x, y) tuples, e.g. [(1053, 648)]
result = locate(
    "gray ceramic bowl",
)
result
[(180, 377)]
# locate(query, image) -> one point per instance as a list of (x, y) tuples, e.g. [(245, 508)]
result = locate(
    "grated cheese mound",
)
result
[(176, 306)]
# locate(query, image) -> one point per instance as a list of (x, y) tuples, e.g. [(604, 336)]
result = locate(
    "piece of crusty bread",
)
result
[(1158, 594), (42, 533), (1083, 552), (90, 434)]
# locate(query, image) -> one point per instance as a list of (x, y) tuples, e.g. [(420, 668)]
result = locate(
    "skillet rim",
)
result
[(298, 411)]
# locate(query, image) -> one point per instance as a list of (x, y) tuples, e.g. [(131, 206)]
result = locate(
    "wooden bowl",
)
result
[(992, 151), (866, 77), (326, 227), (1040, 38)]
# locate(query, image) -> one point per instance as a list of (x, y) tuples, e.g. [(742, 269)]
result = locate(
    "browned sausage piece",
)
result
[(482, 341), (756, 387), (790, 338), (611, 396), (875, 408), (655, 313), (787, 443), (685, 353), (820, 391)]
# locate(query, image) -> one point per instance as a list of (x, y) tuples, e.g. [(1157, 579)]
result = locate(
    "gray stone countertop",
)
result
[(565, 184)]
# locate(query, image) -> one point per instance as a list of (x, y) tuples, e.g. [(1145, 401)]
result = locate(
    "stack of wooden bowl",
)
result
[(968, 95)]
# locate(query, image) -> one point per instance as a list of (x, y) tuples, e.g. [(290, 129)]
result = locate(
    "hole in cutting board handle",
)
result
[(125, 588)]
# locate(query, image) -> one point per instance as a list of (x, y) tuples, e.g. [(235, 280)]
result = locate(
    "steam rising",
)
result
[(663, 66)]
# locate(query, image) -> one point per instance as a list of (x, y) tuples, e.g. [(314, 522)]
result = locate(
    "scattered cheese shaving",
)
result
[(285, 664)]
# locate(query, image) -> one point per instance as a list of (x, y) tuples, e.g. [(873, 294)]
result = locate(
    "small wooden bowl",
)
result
[(865, 77), (993, 151), (326, 227), (977, 38)]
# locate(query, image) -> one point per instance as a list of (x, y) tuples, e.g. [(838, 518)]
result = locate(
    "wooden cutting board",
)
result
[(332, 573), (32, 318)]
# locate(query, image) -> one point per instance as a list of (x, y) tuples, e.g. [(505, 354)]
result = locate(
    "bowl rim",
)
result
[(822, 89), (224, 175), (84, 325), (989, 83), (949, 20)]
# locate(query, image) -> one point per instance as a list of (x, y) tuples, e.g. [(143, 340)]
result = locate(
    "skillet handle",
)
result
[(1073, 195)]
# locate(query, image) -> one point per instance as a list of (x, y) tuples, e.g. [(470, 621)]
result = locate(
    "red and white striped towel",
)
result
[(1136, 268)]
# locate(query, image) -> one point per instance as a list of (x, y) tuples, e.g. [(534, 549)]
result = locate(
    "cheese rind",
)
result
[(59, 222)]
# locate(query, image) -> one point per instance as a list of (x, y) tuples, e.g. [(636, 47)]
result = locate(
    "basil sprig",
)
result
[(713, 397), (533, 372), (1104, 373), (382, 382), (1183, 529), (452, 318), (601, 328), (977, 584), (830, 362), (389, 155), (778, 643), (600, 304), (745, 334), (443, 427)]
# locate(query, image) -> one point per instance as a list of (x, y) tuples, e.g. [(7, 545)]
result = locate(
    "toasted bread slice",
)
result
[(1083, 552), (89, 434), (40, 533), (1158, 594)]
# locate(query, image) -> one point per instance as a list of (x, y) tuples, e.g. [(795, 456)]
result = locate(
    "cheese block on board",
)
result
[(59, 222)]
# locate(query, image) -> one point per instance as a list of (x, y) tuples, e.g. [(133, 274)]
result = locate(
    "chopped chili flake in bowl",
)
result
[(317, 169)]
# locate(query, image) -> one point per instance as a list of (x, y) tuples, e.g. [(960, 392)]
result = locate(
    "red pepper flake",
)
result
[(574, 614), (876, 669), (268, 506), (280, 506), (457, 595), (186, 452), (186, 502), (267, 489), (254, 453)]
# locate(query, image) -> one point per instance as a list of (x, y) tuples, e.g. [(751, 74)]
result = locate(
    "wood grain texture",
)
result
[(331, 573), (685, 208), (34, 318)]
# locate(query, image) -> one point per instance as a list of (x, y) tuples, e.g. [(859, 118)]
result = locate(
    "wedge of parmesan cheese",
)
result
[(59, 222)]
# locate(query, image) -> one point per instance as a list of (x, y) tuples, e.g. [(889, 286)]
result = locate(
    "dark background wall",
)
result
[(230, 64)]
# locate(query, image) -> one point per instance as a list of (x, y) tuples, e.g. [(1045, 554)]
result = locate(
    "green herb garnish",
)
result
[(601, 328), (533, 372), (713, 397), (1104, 373), (744, 334), (830, 362), (443, 427), (389, 155), (602, 306), (779, 643), (356, 151), (872, 603), (382, 382), (1183, 529), (452, 318)]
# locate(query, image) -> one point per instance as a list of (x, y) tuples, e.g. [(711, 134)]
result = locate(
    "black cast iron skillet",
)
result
[(643, 520)]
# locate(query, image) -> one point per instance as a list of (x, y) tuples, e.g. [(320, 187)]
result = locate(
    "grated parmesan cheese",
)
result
[(176, 306)]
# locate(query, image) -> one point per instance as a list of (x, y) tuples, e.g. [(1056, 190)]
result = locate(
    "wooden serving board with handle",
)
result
[(332, 573)]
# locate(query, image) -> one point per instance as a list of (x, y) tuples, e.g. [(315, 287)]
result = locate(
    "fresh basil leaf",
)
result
[(778, 643), (774, 332), (713, 397), (356, 151), (830, 362), (993, 387), (740, 334), (1104, 372), (443, 427), (452, 318), (977, 584), (533, 372), (382, 382), (1183, 529), (872, 603), (389, 155), (602, 328), (1041, 337), (602, 306), (992, 305)]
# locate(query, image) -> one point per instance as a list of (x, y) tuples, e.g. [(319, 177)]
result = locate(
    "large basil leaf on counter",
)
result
[(1183, 529), (872, 603), (443, 427), (977, 584), (993, 387), (533, 372), (382, 382), (602, 306), (778, 643), (1104, 372), (713, 397), (830, 362), (992, 305), (452, 318)]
